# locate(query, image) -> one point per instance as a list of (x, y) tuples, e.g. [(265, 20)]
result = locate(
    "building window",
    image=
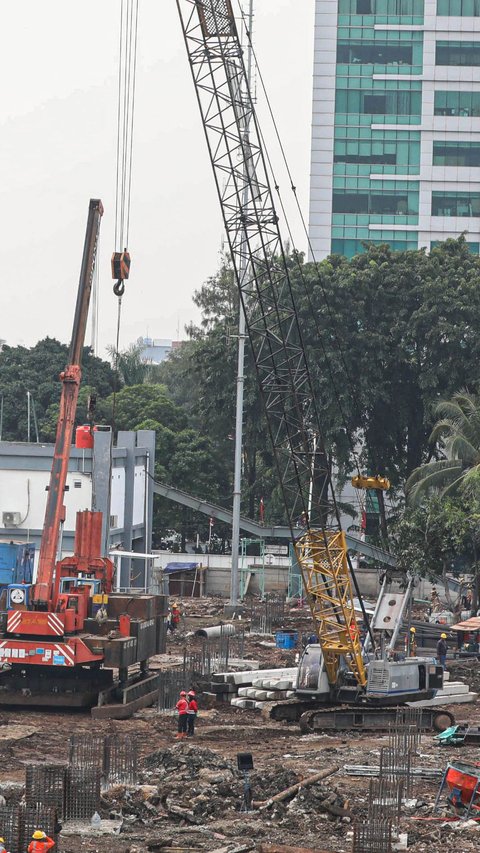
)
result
[(458, 53), (459, 8), (349, 247), (388, 202), (393, 103), (455, 204), (374, 53), (456, 153), (397, 8), (457, 104)]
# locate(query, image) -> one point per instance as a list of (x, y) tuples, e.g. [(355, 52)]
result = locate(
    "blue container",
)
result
[(286, 639)]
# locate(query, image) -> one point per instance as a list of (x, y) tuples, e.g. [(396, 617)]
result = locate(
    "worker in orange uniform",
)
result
[(191, 713), (182, 708), (40, 842)]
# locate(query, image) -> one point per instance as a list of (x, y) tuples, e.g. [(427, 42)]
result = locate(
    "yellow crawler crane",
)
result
[(262, 273), (322, 556)]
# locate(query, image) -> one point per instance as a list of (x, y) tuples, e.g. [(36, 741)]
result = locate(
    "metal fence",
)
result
[(405, 734), (45, 786), (214, 654), (114, 756), (82, 792), (19, 822), (395, 764), (267, 614), (372, 837), (385, 799), (170, 685)]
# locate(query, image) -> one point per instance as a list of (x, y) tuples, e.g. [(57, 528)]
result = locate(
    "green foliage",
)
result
[(458, 434), (137, 403), (440, 536), (37, 370), (129, 364)]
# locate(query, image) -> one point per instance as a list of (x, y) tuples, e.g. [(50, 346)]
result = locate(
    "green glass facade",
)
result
[(396, 124), (362, 151)]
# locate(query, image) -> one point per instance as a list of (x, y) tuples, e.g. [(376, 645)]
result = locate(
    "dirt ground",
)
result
[(190, 794)]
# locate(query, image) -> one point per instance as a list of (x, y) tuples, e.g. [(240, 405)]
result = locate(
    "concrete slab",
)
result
[(255, 675)]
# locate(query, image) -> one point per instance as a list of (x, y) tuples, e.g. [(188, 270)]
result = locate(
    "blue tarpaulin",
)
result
[(170, 568)]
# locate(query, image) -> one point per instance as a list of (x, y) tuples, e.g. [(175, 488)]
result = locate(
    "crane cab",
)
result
[(311, 676)]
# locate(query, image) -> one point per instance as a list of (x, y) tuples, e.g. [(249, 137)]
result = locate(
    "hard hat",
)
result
[(183, 693), (38, 835), (2, 841), (413, 630), (443, 636), (191, 692)]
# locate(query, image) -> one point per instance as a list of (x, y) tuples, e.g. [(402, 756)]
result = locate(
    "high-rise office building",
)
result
[(396, 124)]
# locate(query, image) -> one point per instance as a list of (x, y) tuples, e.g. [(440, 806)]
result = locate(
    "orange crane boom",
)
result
[(70, 378)]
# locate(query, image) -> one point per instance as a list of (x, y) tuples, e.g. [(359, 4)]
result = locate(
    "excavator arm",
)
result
[(70, 378)]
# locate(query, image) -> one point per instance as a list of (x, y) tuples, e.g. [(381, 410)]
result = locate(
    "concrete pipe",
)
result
[(215, 631)]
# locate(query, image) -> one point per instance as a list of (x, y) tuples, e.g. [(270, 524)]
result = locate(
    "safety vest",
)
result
[(182, 708), (40, 846), (192, 706)]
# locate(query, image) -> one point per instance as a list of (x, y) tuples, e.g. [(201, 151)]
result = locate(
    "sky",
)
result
[(58, 126)]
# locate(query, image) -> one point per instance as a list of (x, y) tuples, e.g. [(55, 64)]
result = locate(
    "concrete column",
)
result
[(126, 440), (146, 439), (101, 481)]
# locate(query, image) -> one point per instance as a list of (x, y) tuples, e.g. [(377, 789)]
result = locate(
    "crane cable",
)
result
[(127, 75), (336, 340)]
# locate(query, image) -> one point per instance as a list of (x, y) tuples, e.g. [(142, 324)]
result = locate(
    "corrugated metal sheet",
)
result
[(472, 624)]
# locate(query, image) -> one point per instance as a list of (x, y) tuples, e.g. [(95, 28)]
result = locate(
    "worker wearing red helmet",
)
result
[(191, 713), (182, 708), (40, 842)]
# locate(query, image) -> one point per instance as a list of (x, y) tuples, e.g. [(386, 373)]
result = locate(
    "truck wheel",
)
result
[(442, 720)]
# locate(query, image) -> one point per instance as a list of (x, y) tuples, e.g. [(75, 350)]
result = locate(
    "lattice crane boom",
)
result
[(226, 106)]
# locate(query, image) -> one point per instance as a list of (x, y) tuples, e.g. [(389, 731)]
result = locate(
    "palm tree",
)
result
[(130, 364), (459, 430)]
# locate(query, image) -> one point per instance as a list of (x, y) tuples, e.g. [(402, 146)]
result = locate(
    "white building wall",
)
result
[(323, 114)]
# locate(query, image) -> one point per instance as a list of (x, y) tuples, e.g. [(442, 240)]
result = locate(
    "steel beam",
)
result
[(262, 531)]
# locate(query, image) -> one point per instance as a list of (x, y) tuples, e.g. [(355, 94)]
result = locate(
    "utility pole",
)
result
[(237, 476)]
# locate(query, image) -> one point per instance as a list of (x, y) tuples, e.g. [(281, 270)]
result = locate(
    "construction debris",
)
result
[(294, 789)]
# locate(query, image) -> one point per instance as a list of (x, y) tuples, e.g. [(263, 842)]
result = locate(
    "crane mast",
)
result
[(262, 276), (70, 378)]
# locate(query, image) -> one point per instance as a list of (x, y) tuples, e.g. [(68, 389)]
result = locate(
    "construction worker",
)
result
[(411, 643), (40, 842), (191, 713), (3, 849), (442, 650), (182, 709)]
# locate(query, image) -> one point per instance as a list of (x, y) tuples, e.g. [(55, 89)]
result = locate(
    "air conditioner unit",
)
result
[(11, 519)]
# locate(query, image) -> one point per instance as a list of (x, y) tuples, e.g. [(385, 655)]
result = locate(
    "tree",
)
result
[(132, 367), (458, 434), (440, 536), (137, 403), (37, 369), (389, 334)]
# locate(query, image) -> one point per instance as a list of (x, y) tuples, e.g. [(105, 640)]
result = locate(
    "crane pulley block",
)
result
[(361, 481), (120, 265)]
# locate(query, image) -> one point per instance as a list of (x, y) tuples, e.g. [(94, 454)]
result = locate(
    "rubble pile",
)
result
[(187, 785)]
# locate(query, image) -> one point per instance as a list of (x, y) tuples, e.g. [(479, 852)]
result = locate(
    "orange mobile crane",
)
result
[(63, 637)]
